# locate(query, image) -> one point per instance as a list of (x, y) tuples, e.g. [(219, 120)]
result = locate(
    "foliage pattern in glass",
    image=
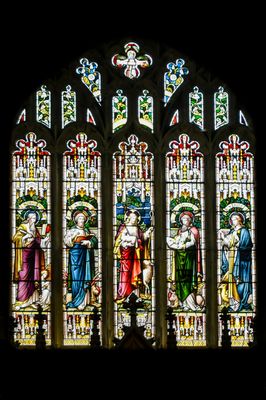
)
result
[(119, 110), (43, 106), (69, 110), (145, 110), (91, 78), (196, 108), (221, 108), (173, 78)]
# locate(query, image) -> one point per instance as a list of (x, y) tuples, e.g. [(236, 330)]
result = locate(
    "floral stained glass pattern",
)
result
[(91, 78), (69, 107), (186, 276), (221, 108), (145, 110), (173, 78), (43, 106), (196, 108), (31, 230), (82, 243), (119, 110)]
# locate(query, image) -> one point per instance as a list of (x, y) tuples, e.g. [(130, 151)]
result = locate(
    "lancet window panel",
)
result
[(82, 239), (236, 270), (133, 224), (185, 241), (31, 238)]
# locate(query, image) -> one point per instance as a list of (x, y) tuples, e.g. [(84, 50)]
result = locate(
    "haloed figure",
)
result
[(236, 284), (132, 250), (186, 263), (29, 260), (81, 268)]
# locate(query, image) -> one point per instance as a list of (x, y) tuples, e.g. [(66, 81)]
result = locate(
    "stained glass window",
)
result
[(31, 226), (43, 106), (22, 117), (242, 118), (236, 237), (90, 117), (145, 110), (82, 242), (119, 110), (221, 108), (186, 276), (196, 110), (131, 62), (91, 77), (175, 118), (173, 78), (68, 106), (97, 189), (133, 234)]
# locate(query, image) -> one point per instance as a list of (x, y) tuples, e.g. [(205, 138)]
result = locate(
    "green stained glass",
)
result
[(68, 106), (119, 110), (221, 108), (43, 106), (196, 109), (145, 110)]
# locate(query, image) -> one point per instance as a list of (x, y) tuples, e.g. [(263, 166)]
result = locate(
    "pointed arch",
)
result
[(185, 239), (236, 238), (133, 234), (31, 237), (82, 242)]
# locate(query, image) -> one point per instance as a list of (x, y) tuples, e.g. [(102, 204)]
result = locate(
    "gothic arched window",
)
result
[(133, 194)]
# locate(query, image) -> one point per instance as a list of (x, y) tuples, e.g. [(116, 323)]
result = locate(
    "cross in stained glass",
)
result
[(130, 61)]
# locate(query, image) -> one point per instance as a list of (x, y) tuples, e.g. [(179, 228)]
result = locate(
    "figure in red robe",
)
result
[(132, 250)]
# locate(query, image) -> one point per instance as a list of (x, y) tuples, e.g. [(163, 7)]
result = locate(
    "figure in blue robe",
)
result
[(236, 263), (81, 267)]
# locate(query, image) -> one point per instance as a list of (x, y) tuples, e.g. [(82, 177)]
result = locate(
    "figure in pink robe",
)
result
[(29, 261)]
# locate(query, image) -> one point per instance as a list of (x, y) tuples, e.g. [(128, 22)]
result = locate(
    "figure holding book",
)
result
[(81, 267)]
